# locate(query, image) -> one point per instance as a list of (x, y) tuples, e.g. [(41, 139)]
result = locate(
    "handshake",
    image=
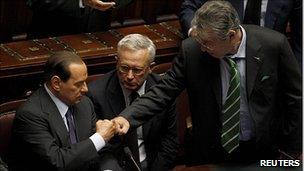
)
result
[(108, 128)]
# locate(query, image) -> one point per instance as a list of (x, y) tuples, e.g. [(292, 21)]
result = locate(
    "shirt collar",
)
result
[(62, 107)]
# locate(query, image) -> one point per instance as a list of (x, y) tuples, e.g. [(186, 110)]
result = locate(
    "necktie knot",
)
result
[(134, 95), (231, 62), (69, 112)]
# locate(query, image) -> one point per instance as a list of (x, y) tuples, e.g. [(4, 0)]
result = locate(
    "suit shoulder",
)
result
[(155, 77), (263, 34), (32, 105)]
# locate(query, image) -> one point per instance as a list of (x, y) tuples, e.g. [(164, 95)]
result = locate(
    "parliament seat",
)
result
[(7, 114)]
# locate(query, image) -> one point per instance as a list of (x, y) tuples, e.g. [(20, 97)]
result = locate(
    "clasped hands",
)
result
[(108, 128), (100, 5)]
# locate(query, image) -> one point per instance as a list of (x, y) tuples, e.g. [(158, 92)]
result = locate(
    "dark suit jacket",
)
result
[(278, 14), (62, 17), (273, 87), (40, 139), (160, 133)]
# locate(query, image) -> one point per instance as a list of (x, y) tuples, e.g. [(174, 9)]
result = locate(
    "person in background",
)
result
[(56, 128), (57, 18), (273, 14), (244, 88), (156, 142)]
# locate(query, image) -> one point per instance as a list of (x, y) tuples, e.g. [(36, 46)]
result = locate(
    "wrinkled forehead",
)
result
[(140, 57)]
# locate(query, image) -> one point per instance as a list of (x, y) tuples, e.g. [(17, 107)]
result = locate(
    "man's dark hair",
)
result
[(58, 64)]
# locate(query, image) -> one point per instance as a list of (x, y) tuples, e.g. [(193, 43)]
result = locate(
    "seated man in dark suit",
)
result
[(157, 139), (56, 128)]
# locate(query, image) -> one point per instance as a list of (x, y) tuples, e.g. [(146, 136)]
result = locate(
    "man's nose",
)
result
[(84, 88), (130, 74)]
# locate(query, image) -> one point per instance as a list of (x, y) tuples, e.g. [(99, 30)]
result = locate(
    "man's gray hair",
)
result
[(217, 15), (136, 42)]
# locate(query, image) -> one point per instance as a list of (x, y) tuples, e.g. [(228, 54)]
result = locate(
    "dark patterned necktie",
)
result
[(253, 12), (71, 125), (231, 111)]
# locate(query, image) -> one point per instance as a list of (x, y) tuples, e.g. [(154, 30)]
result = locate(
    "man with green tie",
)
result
[(244, 90)]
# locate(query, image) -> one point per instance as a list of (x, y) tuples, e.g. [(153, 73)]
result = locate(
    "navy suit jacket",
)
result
[(160, 133), (273, 87), (40, 140), (278, 14)]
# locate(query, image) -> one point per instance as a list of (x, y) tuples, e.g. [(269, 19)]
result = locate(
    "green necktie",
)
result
[(231, 111)]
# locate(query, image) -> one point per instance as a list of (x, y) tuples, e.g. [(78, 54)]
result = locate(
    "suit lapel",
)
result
[(254, 59), (215, 78), (55, 119), (115, 95), (81, 122)]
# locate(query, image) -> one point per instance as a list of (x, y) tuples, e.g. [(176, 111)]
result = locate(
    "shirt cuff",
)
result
[(98, 141), (81, 4)]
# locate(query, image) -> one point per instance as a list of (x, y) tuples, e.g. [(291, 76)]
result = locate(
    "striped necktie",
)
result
[(231, 111)]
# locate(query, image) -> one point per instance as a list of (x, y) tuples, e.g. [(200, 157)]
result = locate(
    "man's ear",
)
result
[(231, 34), (55, 83)]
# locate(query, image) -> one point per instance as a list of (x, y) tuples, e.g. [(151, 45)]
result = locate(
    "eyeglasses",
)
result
[(125, 69)]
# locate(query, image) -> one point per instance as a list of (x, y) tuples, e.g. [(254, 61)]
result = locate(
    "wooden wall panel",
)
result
[(15, 18)]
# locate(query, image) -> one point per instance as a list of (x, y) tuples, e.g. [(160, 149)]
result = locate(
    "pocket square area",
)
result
[(265, 77)]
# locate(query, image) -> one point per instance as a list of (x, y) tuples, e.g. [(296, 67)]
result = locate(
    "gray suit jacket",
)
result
[(40, 139), (274, 103), (160, 133)]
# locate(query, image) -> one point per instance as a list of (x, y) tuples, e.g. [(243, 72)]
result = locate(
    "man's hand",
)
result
[(100, 5), (122, 125), (106, 129)]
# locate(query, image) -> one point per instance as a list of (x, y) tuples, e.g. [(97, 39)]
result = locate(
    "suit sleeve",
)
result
[(169, 143), (34, 131), (188, 9), (291, 99), (159, 97)]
